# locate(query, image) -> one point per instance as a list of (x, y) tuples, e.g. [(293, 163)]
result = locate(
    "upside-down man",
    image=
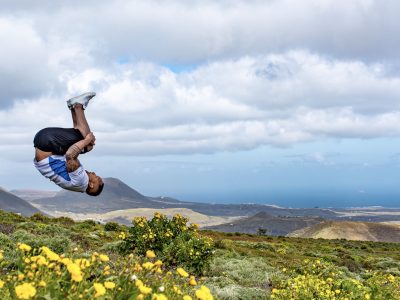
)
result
[(57, 151)]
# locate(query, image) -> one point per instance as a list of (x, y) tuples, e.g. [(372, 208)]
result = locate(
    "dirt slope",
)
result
[(362, 231)]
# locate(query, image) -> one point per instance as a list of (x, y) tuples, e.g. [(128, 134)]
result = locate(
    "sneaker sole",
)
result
[(81, 99)]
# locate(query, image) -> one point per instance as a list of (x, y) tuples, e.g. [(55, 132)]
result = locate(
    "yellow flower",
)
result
[(391, 278), (158, 263), (77, 277), (21, 276), (140, 297), (104, 257), (177, 290), (50, 254), (1, 256), (100, 290), (145, 290), (186, 297), (25, 290), (182, 272), (148, 265), (82, 262), (138, 283), (109, 285), (75, 271), (42, 283), (25, 247), (66, 261), (192, 281), (1, 284), (367, 296), (159, 297), (41, 261), (73, 268), (204, 293), (150, 254)]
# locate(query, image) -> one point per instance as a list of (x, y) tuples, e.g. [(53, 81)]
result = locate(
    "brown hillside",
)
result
[(12, 203), (361, 231)]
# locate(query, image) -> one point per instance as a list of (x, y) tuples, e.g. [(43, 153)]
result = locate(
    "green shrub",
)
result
[(111, 226), (64, 221), (5, 242), (7, 228), (9, 217), (224, 244), (27, 226), (172, 240), (86, 241), (321, 280), (111, 247), (53, 230), (58, 244), (85, 225), (237, 292), (264, 246), (38, 217)]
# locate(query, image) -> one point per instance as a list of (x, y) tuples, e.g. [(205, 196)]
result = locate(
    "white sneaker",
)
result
[(81, 99)]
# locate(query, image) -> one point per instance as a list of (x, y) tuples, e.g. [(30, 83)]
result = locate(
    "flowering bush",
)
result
[(322, 280), (40, 273), (172, 239)]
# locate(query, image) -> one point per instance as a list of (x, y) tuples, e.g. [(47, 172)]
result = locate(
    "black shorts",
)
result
[(56, 140)]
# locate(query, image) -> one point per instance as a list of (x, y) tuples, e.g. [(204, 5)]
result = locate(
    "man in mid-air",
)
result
[(57, 151)]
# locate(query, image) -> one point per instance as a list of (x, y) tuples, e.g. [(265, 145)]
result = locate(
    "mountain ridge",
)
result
[(12, 203)]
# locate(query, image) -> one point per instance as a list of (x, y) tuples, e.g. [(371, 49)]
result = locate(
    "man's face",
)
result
[(94, 182)]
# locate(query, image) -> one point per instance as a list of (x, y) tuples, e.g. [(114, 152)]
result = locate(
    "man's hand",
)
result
[(90, 139), (73, 151)]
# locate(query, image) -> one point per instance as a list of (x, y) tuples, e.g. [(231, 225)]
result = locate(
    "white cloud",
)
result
[(229, 105), (191, 33), (24, 69), (255, 72)]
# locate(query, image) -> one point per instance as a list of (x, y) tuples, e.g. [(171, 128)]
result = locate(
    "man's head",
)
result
[(95, 186)]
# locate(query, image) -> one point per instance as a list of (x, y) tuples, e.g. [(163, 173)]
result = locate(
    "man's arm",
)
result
[(74, 151)]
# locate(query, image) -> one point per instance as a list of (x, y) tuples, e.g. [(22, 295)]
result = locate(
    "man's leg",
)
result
[(79, 119)]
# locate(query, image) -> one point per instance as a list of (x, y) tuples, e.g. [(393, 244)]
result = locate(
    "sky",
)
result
[(293, 103)]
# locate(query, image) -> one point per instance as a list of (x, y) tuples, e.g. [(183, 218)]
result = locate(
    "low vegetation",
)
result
[(44, 258), (176, 242), (258, 267), (55, 258)]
